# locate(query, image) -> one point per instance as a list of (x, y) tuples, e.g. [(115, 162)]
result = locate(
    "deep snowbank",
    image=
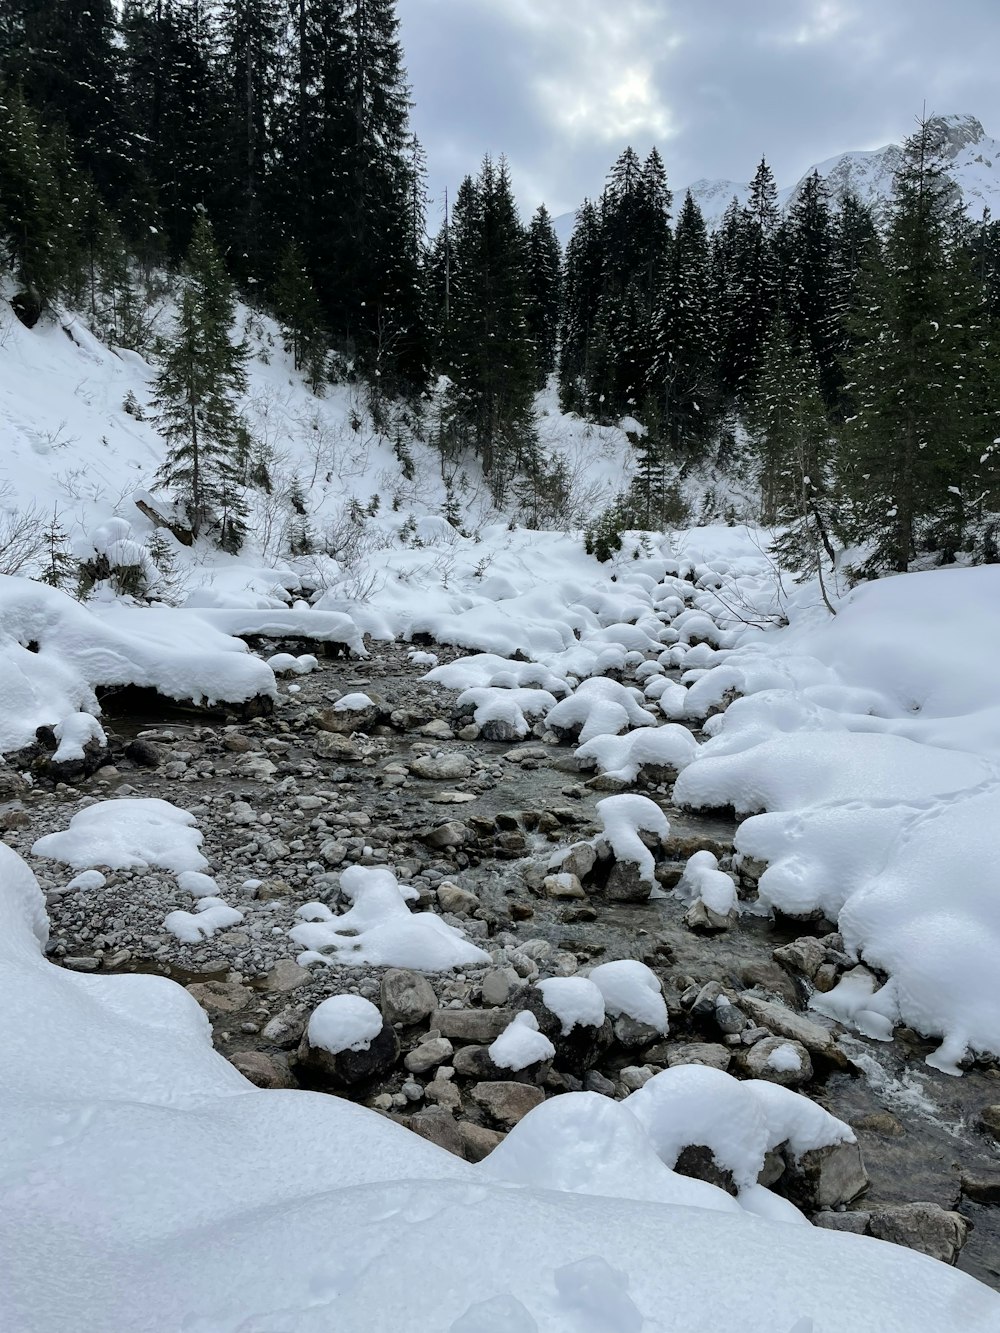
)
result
[(872, 742), (148, 1186)]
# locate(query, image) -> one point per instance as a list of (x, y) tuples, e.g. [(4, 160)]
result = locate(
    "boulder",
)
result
[(563, 885), (507, 1102), (406, 997), (450, 767), (578, 1050), (285, 976), (348, 1069), (777, 1060), (698, 1162), (340, 749), (459, 901), (481, 1026), (451, 834), (625, 884), (817, 1040), (926, 1227), (431, 1052), (989, 1121), (263, 1070), (708, 1053), (478, 1141), (439, 1126), (220, 997), (704, 920), (827, 1177)]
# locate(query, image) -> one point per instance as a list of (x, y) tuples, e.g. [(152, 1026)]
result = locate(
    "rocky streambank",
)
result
[(500, 838)]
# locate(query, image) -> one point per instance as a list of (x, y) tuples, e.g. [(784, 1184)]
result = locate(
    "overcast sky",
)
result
[(561, 86)]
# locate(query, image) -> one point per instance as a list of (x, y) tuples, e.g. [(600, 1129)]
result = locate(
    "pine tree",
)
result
[(581, 299), (919, 371), (196, 392), (683, 370), (811, 299), (487, 353), (543, 282), (298, 311), (748, 275)]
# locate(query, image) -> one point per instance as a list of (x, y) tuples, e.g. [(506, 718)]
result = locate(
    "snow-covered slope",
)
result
[(972, 155)]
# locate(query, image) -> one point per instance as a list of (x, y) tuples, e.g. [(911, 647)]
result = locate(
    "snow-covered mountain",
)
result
[(973, 159)]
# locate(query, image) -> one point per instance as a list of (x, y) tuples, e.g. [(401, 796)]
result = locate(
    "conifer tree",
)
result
[(919, 367), (298, 311), (543, 282), (196, 396), (683, 370), (811, 294), (581, 298)]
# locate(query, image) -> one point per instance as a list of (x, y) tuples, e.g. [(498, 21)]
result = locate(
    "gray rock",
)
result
[(784, 1022), (563, 885), (826, 1177), (285, 1028), (579, 860), (594, 1081), (481, 1026), (496, 989), (478, 1141), (989, 1121), (855, 1223), (406, 997), (439, 1126), (633, 1035), (704, 920), (624, 884), (285, 976), (442, 767), (339, 749), (507, 1103), (728, 1019), (698, 1162), (144, 754), (634, 1077), (474, 1062), (981, 1186), (806, 955), (578, 1050), (921, 1226), (453, 899), (428, 1055), (707, 1053), (220, 997), (263, 1070), (452, 834), (756, 1062)]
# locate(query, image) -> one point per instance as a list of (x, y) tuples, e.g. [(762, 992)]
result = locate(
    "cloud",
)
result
[(561, 86)]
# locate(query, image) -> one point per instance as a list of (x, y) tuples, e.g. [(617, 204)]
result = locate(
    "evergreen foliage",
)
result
[(196, 392)]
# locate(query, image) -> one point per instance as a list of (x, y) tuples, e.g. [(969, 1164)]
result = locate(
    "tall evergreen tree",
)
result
[(683, 370), (543, 282), (197, 389), (811, 300), (919, 367), (581, 299)]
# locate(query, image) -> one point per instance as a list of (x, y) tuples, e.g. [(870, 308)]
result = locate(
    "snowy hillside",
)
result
[(79, 444), (973, 159)]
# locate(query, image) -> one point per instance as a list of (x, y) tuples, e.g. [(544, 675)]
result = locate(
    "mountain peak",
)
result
[(958, 132)]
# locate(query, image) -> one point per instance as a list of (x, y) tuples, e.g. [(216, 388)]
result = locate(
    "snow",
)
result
[(508, 705), (630, 987), (785, 1059), (54, 653), (209, 916), (521, 1044), (600, 707), (624, 819), (871, 742), (703, 879), (575, 1001), (73, 733), (739, 1121), (669, 747), (344, 1023), (127, 832), (353, 703), (379, 930)]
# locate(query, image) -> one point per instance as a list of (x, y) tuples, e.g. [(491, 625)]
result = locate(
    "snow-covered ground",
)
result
[(147, 1185)]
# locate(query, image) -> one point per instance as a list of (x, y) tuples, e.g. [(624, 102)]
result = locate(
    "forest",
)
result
[(841, 362)]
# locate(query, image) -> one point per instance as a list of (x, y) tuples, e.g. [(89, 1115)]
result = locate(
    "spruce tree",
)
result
[(683, 370), (197, 389), (581, 298), (543, 283), (811, 292), (918, 369)]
